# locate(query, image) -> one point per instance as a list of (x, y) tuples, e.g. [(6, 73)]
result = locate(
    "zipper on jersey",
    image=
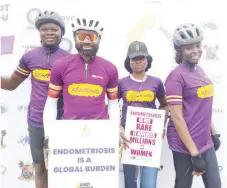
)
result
[(86, 68), (48, 59)]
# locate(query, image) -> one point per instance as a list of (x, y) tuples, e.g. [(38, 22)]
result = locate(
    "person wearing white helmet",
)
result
[(38, 62), (191, 134), (84, 79)]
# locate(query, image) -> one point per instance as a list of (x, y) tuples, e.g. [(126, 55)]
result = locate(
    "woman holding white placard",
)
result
[(140, 90)]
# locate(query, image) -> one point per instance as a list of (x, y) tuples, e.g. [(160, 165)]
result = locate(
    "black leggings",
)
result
[(183, 169)]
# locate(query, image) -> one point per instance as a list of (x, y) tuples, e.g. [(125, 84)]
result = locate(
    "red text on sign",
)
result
[(141, 153)]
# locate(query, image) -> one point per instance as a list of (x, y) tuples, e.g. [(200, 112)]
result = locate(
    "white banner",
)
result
[(84, 154), (144, 128)]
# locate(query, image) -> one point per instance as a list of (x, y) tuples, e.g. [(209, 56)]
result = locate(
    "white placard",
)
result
[(144, 128), (84, 154)]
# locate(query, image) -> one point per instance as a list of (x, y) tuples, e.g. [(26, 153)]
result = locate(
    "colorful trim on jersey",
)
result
[(54, 87), (22, 71), (112, 89), (53, 93), (174, 98)]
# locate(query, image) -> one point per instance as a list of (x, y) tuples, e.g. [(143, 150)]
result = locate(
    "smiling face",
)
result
[(192, 52), (87, 42), (50, 34)]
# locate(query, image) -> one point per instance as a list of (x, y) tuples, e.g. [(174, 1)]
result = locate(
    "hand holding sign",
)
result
[(124, 141)]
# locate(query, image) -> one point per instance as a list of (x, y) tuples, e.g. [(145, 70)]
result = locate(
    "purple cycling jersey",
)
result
[(38, 62), (84, 86), (190, 87), (138, 94)]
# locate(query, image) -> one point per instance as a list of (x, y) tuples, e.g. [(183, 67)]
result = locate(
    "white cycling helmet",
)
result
[(187, 34), (87, 24), (50, 17)]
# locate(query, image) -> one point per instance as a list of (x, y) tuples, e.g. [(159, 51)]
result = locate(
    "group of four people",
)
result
[(73, 87)]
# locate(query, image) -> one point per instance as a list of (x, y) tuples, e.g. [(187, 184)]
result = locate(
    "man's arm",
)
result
[(50, 109), (12, 82), (55, 87), (112, 95), (19, 75)]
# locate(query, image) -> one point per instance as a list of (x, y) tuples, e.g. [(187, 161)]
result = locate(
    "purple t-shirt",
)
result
[(38, 62), (84, 91), (190, 87), (138, 94)]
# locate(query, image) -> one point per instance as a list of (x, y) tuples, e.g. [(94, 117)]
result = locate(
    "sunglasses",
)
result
[(92, 37)]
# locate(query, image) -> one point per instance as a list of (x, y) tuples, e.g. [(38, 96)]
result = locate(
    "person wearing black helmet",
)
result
[(38, 62)]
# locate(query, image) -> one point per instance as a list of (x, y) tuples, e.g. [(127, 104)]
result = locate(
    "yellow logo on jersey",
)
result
[(85, 90), (41, 74), (142, 96), (205, 91)]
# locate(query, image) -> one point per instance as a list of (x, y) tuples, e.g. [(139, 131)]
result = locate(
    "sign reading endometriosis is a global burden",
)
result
[(84, 154), (144, 128)]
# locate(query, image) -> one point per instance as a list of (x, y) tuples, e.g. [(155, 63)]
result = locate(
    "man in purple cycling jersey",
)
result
[(38, 63), (84, 80)]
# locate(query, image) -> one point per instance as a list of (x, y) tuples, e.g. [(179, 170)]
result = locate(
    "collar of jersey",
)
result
[(51, 50), (143, 80), (191, 66), (82, 59)]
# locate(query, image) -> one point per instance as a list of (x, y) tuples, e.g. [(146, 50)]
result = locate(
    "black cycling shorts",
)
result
[(36, 136)]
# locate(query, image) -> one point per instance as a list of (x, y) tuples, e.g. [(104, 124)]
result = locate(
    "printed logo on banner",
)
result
[(4, 108), (31, 15), (218, 110), (27, 171), (168, 36), (24, 140), (211, 52), (215, 79), (66, 44), (3, 169), (136, 33), (4, 12), (22, 108), (3, 135), (68, 19), (147, 22), (209, 25), (7, 44), (84, 185), (30, 47), (34, 12)]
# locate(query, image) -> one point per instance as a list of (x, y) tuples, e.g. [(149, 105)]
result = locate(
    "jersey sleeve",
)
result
[(22, 69), (112, 85), (174, 89), (161, 90), (56, 76), (119, 90)]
